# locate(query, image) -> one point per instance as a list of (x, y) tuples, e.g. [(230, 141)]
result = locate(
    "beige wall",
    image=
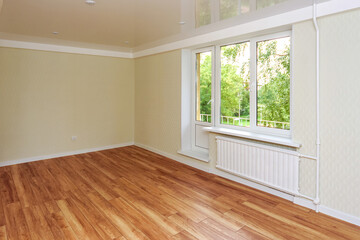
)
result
[(47, 97), (158, 107), (158, 101)]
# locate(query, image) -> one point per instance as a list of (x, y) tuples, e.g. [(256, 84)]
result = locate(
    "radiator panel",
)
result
[(275, 167)]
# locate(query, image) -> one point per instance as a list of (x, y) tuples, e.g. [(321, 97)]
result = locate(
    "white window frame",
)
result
[(194, 122), (216, 90)]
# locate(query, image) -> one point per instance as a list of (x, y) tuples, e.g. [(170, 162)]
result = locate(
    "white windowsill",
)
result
[(254, 136), (202, 156)]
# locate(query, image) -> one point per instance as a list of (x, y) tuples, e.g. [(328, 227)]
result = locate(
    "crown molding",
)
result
[(64, 49)]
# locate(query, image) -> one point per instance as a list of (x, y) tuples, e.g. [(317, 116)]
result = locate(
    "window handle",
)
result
[(211, 101)]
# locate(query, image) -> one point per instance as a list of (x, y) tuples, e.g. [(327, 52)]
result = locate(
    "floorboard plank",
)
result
[(78, 222), (3, 234)]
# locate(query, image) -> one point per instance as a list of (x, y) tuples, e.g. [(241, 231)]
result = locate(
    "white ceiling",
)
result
[(132, 25), (108, 22)]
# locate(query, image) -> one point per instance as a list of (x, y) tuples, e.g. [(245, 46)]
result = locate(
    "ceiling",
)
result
[(122, 23), (125, 25)]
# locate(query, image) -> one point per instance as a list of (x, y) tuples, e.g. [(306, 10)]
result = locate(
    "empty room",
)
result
[(179, 119)]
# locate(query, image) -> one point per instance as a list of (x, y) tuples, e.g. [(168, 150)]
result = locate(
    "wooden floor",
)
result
[(130, 193)]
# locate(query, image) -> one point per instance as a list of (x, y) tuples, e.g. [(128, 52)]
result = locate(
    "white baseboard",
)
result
[(63, 154), (252, 184), (176, 158), (340, 215), (328, 211), (297, 200), (304, 202)]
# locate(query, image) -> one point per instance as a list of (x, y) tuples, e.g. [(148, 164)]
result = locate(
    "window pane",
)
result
[(203, 86), (235, 84), (202, 12), (273, 83)]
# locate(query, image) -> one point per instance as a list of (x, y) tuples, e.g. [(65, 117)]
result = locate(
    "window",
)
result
[(250, 89), (235, 85), (273, 83), (203, 107), (203, 86)]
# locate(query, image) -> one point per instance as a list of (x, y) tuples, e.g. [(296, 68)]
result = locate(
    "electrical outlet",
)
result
[(73, 138)]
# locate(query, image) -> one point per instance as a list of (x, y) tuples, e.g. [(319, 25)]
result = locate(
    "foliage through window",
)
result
[(252, 84), (273, 83), (235, 84), (203, 86)]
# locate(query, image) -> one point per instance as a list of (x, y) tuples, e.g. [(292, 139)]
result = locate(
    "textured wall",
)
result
[(47, 97), (304, 102), (340, 99)]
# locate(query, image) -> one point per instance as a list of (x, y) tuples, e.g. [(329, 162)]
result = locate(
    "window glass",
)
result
[(202, 12), (235, 84), (273, 83), (203, 86)]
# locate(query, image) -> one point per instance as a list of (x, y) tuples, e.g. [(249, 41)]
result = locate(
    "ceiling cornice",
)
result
[(64, 49)]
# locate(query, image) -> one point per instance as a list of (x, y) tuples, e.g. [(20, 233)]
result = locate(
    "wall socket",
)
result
[(73, 138)]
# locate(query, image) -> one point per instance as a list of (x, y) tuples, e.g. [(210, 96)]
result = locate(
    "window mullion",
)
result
[(217, 85), (252, 84)]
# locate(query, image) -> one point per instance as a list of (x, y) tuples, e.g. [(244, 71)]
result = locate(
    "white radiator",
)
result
[(275, 167)]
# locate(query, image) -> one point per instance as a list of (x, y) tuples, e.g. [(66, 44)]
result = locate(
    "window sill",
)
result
[(254, 136), (202, 156)]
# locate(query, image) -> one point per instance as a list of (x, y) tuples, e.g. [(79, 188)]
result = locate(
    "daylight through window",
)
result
[(235, 84), (251, 85), (203, 86)]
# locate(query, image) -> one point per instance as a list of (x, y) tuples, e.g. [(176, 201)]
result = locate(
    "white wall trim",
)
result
[(304, 202), (180, 159), (297, 200), (340, 215), (328, 211), (280, 20), (63, 49), (63, 154)]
